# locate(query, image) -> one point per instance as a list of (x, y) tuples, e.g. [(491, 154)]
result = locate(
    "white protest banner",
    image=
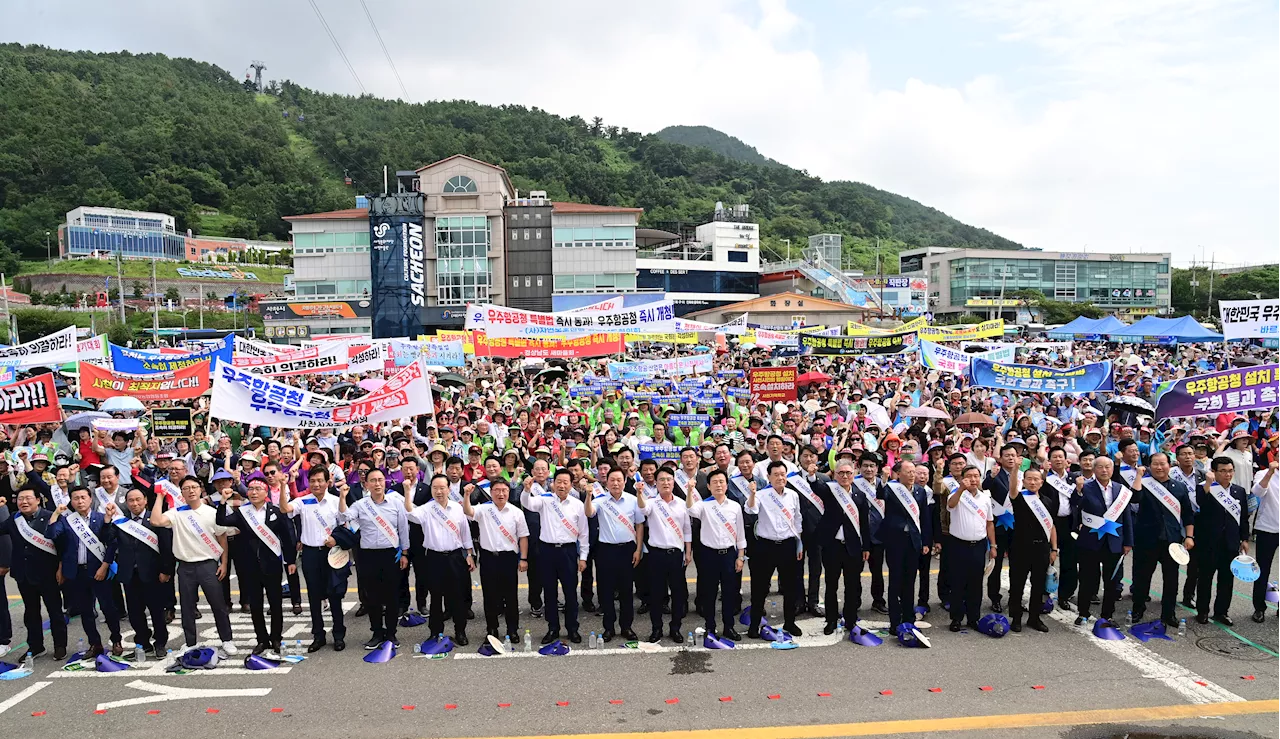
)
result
[(245, 397), (112, 425), (94, 351), (946, 359), (250, 348), (49, 351), (512, 323), (765, 337), (736, 327), (673, 367), (366, 358), (1250, 319), (330, 357)]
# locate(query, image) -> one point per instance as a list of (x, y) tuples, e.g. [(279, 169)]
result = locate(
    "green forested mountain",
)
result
[(181, 136), (717, 141)]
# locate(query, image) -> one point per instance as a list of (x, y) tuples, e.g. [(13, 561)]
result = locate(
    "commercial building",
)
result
[(974, 280), (705, 265), (91, 231)]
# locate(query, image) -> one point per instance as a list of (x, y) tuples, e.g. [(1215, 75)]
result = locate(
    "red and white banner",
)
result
[(188, 382), (330, 357), (595, 345), (33, 400)]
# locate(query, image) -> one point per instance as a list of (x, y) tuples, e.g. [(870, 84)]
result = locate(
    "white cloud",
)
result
[(1138, 124)]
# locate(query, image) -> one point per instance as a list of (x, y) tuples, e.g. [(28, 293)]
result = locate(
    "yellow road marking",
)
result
[(959, 723)]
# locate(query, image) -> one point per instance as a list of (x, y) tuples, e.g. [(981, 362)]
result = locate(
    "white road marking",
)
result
[(25, 694), (165, 693)]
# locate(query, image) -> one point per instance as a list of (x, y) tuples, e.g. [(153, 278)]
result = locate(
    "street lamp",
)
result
[(48, 254)]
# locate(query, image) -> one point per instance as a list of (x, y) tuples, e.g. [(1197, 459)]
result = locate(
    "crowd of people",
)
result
[(603, 501)]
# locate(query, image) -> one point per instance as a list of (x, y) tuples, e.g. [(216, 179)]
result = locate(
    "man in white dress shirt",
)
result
[(446, 536), (669, 552), (319, 514), (563, 549), (778, 547), (384, 530), (504, 553), (723, 552)]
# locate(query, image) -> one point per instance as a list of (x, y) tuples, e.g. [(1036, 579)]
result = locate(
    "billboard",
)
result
[(397, 250), (293, 310)]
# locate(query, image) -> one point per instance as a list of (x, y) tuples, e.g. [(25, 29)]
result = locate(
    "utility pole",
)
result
[(119, 287), (200, 288), (788, 243), (880, 275), (155, 307), (1211, 270), (48, 253), (258, 67), (8, 316)]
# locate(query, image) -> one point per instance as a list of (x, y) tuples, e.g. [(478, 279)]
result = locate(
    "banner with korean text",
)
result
[(501, 322), (946, 359), (674, 367), (855, 345), (984, 330), (184, 384), (1243, 389), (1250, 319), (772, 384), (245, 397), (594, 345), (331, 356), (134, 362), (47, 351), (33, 400), (1086, 378)]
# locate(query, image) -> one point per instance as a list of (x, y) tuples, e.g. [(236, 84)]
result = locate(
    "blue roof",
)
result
[(1088, 326), (1183, 329)]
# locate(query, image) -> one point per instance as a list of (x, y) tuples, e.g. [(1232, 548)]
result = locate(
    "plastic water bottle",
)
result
[(688, 640), (600, 642), (506, 644), (840, 629), (1182, 627), (1128, 619), (591, 641), (28, 661), (139, 654), (297, 647), (528, 641), (80, 647), (417, 647)]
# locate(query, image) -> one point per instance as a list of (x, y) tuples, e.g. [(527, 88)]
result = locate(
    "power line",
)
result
[(338, 46), (386, 53)]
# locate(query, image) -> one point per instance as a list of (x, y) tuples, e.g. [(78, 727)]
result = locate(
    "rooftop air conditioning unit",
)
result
[(538, 194)]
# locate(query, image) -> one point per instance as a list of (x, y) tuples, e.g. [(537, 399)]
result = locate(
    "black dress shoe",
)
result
[(169, 616), (629, 635), (244, 608), (607, 636), (996, 607), (732, 635), (829, 629), (1064, 604), (550, 636), (361, 610), (955, 626), (1201, 619), (880, 608), (753, 634), (1225, 620), (461, 639), (1259, 617), (654, 637), (259, 648), (1081, 619), (1016, 627), (589, 605), (339, 645), (316, 645), (373, 643), (198, 615), (676, 636), (792, 629), (297, 609), (818, 611), (575, 637), (471, 613), (1190, 604), (1038, 625)]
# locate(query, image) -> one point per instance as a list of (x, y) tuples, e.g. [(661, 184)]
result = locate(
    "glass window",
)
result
[(563, 282), (460, 183)]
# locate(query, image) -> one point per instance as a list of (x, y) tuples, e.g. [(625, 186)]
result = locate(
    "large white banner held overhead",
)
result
[(512, 323)]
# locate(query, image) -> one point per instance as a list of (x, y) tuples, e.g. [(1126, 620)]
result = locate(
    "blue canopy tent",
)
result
[(1155, 330), (1087, 329)]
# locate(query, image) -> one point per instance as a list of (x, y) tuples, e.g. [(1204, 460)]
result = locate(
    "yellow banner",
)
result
[(857, 329), (690, 337), (984, 330), (468, 346)]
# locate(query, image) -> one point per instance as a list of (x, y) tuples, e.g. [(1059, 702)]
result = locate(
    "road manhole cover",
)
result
[(1226, 646)]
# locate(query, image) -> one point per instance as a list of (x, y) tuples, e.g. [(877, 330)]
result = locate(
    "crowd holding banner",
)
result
[(890, 445)]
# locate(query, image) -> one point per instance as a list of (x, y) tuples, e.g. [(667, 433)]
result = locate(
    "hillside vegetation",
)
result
[(182, 136)]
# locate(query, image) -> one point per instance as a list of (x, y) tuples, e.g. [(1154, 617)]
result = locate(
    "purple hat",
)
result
[(440, 644), (221, 474), (861, 636), (711, 641), (384, 653), (1104, 629)]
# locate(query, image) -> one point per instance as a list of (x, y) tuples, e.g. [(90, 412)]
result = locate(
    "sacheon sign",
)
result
[(396, 241)]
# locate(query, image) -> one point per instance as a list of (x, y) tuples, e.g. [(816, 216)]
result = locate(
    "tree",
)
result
[(1056, 311), (211, 295), (137, 290), (173, 296)]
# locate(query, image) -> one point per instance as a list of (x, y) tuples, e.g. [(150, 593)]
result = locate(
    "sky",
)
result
[(1081, 125)]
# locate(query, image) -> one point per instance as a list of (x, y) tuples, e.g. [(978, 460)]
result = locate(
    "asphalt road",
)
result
[(1214, 682)]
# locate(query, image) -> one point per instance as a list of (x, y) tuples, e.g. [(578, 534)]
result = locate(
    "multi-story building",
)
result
[(593, 252), (93, 231), (973, 280), (529, 252), (708, 265)]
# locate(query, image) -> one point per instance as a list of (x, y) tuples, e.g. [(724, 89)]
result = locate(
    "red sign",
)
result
[(184, 384), (772, 384), (33, 400), (593, 345)]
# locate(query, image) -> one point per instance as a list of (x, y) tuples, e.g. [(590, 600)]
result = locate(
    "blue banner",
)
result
[(689, 419), (578, 391), (1087, 378), (133, 362), (740, 393), (670, 399), (729, 374), (659, 452)]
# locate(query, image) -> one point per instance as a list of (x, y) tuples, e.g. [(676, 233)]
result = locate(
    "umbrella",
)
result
[(121, 404), (551, 373), (75, 404), (810, 378), (927, 411), (975, 419), (451, 378), (1129, 402), (371, 384), (1246, 361), (84, 420), (341, 386), (557, 362)]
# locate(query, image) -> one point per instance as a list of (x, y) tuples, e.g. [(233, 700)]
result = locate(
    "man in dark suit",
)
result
[(1223, 529), (840, 535), (33, 565), (1164, 517), (906, 534), (87, 548), (868, 481), (998, 485), (1106, 535), (418, 493), (812, 511), (144, 566), (1059, 495), (265, 533)]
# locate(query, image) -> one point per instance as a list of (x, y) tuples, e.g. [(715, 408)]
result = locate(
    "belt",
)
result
[(776, 541), (318, 548), (553, 544), (664, 549), (726, 550), (611, 544), (458, 551), (966, 542)]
